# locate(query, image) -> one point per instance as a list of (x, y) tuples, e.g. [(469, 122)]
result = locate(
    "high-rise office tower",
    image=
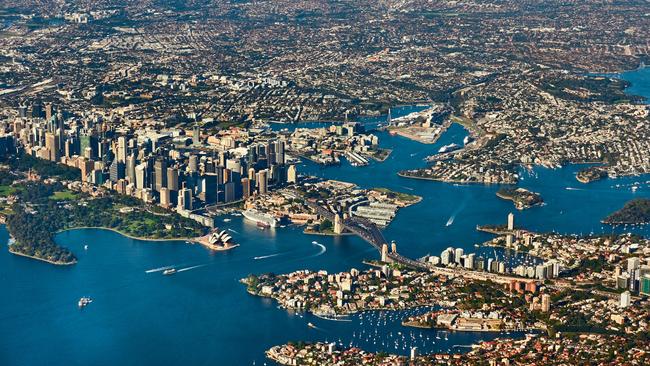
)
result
[(292, 175), (172, 179), (246, 187), (196, 135), (193, 163), (229, 192), (121, 149), (130, 168), (141, 176), (209, 188), (49, 111), (116, 170), (165, 197), (184, 199), (52, 145), (279, 152), (262, 181), (160, 173)]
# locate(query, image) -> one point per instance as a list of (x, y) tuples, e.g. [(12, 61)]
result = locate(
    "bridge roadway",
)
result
[(369, 232)]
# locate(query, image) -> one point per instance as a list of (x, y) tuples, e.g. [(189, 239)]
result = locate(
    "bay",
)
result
[(203, 315)]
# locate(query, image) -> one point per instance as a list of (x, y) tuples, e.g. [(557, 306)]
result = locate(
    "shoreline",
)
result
[(41, 259), (128, 235), (460, 330), (454, 181)]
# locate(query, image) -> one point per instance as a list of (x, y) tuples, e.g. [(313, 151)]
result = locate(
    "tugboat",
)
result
[(169, 271), (84, 301)]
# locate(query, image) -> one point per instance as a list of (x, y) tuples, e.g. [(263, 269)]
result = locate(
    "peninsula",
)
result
[(636, 211), (521, 197)]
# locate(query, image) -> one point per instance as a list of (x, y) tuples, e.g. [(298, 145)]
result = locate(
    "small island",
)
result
[(521, 197), (636, 211), (591, 174)]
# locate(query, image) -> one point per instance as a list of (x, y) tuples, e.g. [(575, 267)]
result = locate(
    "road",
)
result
[(369, 232)]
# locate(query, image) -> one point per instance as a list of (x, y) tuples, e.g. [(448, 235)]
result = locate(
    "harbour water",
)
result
[(203, 315)]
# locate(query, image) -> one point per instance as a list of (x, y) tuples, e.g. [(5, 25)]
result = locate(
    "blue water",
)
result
[(640, 80), (204, 316)]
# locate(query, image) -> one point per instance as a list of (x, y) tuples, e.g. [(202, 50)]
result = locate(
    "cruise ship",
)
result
[(448, 148), (262, 219)]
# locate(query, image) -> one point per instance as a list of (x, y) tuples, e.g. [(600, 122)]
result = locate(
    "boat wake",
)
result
[(233, 231), (267, 256), (572, 189), (460, 208), (160, 269), (323, 249), (312, 326), (451, 220), (189, 268)]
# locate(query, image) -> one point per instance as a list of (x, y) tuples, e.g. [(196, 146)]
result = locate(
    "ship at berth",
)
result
[(261, 218)]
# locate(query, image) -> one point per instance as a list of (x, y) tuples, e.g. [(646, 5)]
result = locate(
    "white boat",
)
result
[(84, 301), (86, 247), (169, 271), (261, 218)]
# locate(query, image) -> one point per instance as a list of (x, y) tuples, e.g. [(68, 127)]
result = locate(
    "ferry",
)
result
[(84, 301), (169, 271), (310, 325), (262, 219)]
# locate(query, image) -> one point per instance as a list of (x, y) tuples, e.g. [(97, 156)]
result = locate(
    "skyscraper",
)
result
[(184, 199), (292, 174), (165, 198), (160, 172), (116, 171), (52, 145), (141, 176), (262, 181), (209, 188), (130, 168), (511, 221), (229, 192), (172, 179), (196, 135), (246, 187), (193, 163), (121, 149)]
